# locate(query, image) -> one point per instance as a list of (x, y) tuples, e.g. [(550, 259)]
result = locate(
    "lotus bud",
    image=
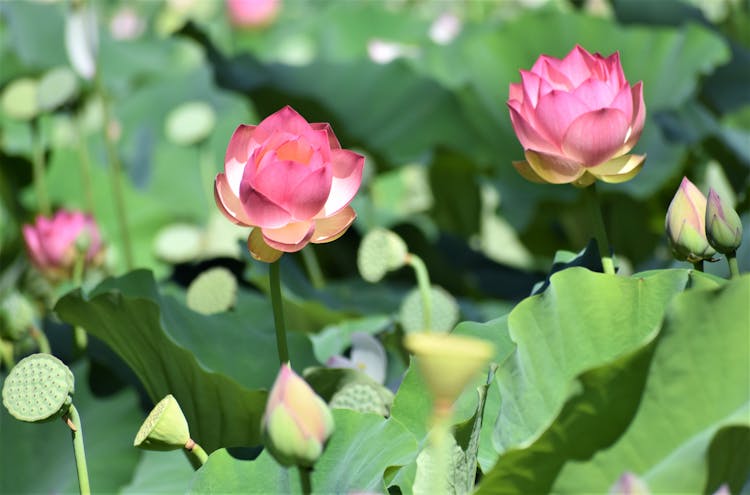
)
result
[(723, 225), (296, 423), (448, 362), (165, 427), (629, 484), (685, 224)]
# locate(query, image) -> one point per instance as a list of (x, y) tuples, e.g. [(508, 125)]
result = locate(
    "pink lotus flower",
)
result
[(54, 244), (577, 118), (252, 13), (289, 179)]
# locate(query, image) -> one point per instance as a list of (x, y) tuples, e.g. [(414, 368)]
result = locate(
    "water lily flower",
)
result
[(445, 28), (252, 13), (291, 181), (296, 423), (367, 355), (577, 118), (685, 224), (723, 225), (55, 244)]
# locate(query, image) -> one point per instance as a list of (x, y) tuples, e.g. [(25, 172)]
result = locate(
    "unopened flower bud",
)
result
[(296, 423), (723, 225), (685, 224)]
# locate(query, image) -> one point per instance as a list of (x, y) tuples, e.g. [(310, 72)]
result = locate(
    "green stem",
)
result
[(37, 162), (115, 175), (600, 232), (80, 339), (313, 267), (425, 290), (439, 445), (278, 312), (305, 479), (6, 354), (41, 340), (85, 163), (734, 268), (196, 455), (80, 454), (698, 266)]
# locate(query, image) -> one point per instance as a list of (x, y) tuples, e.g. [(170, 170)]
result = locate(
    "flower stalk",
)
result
[(278, 312), (425, 289), (38, 166), (600, 232), (73, 421), (305, 479)]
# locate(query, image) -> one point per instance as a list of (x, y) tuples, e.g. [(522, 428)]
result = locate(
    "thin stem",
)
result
[(734, 268), (41, 340), (425, 289), (85, 163), (313, 267), (6, 354), (278, 312), (439, 445), (37, 161), (80, 339), (115, 175), (600, 232), (698, 265), (196, 455), (80, 454), (305, 479)]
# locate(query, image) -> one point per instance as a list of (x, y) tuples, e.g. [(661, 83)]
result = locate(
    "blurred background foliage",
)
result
[(427, 108)]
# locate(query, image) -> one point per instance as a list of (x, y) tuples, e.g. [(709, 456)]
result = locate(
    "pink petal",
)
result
[(527, 135), (596, 136), (263, 212), (34, 247), (639, 116), (555, 112), (286, 119), (595, 94), (290, 238), (347, 169), (515, 92), (577, 65), (237, 155), (615, 73), (229, 204), (311, 194), (331, 228), (276, 179), (531, 84), (556, 78), (626, 171), (553, 168), (333, 141), (339, 362), (623, 101)]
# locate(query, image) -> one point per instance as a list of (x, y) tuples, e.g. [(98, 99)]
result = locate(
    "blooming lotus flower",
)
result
[(289, 179), (296, 423), (723, 225), (685, 224), (577, 118), (367, 356), (252, 13), (54, 244)]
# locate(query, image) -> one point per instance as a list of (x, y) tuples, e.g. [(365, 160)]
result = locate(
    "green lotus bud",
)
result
[(723, 225), (629, 484), (296, 423), (16, 316), (685, 224), (165, 427)]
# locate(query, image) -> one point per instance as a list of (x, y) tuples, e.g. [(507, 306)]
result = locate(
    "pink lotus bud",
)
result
[(252, 13), (629, 484), (685, 224), (723, 225), (291, 181), (577, 118), (54, 244), (297, 423)]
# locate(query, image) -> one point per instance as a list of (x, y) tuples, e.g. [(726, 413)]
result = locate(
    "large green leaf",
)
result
[(699, 382), (216, 366), (160, 472), (39, 457), (362, 447)]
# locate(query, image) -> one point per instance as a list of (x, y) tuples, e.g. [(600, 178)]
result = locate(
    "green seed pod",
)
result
[(16, 316), (38, 389), (213, 291), (165, 428), (359, 397), (379, 252)]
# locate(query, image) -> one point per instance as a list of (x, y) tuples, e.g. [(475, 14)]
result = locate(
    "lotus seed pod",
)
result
[(213, 291), (359, 397), (723, 225), (379, 252), (448, 362), (165, 427), (190, 123), (38, 388), (444, 311), (16, 316)]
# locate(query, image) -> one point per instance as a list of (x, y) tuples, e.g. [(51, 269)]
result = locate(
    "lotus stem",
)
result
[(74, 422), (41, 340), (698, 265), (80, 338), (38, 169), (313, 267), (734, 268), (600, 232), (195, 454), (439, 445), (85, 163), (278, 312), (305, 479), (425, 289)]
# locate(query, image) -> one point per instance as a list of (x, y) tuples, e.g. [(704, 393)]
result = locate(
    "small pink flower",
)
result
[(291, 181), (54, 244), (252, 13), (577, 118)]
